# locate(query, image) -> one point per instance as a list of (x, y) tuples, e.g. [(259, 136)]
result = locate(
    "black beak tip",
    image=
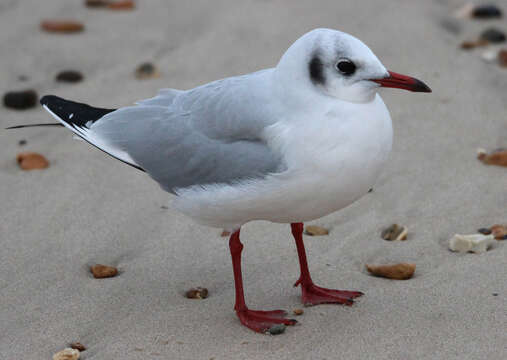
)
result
[(421, 87)]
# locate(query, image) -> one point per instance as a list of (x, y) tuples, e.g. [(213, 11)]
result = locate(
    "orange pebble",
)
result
[(62, 26), (401, 271), (121, 5), (31, 161)]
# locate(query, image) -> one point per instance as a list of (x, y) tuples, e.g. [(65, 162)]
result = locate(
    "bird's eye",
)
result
[(346, 67)]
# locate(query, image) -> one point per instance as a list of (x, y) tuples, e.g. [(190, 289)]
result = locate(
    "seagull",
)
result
[(287, 144)]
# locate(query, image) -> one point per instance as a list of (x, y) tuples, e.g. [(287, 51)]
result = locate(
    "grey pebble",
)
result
[(277, 329), (484, 231), (493, 35), (486, 12)]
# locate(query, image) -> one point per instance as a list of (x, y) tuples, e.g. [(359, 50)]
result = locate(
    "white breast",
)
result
[(332, 160)]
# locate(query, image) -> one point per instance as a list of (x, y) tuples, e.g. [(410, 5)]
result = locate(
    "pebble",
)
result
[(493, 35), (486, 12), (146, 71), (400, 271), (197, 293), (62, 26), (121, 5), (467, 45), (502, 58), (476, 243), (67, 354), (23, 78), (69, 76), (277, 329), (100, 271), (490, 56), (96, 3), (499, 232), (484, 231), (78, 346), (21, 100), (298, 311), (314, 230), (22, 142), (31, 161), (497, 157), (394, 232)]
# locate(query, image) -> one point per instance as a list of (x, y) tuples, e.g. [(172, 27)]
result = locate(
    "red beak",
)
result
[(399, 81)]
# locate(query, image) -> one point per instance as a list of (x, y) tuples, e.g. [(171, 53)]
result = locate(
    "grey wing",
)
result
[(181, 146)]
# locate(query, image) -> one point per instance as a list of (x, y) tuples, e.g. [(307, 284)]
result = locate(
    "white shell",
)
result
[(490, 56), (67, 354), (476, 243)]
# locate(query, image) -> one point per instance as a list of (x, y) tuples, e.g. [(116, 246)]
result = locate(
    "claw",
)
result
[(315, 295), (262, 321)]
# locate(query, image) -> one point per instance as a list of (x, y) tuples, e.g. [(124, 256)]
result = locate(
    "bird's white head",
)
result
[(339, 65)]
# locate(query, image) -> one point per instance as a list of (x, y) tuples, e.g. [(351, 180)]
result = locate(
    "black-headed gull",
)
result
[(287, 144)]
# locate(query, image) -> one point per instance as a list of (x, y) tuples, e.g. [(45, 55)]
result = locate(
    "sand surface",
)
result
[(88, 208)]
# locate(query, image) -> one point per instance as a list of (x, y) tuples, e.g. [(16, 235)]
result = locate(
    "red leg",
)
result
[(313, 294), (256, 320)]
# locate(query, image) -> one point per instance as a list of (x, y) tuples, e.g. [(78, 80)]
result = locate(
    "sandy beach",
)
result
[(88, 208)]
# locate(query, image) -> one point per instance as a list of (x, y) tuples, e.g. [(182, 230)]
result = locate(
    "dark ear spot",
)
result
[(316, 69)]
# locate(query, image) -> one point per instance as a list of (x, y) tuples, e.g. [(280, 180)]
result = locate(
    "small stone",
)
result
[(67, 354), (497, 157), (21, 100), (146, 71), (62, 26), (225, 233), (499, 232), (197, 293), (495, 294), (22, 142), (78, 346), (96, 3), (298, 311), (277, 329), (493, 35), (476, 243), (400, 271), (314, 230), (22, 78), (467, 45), (121, 5), (31, 161), (69, 76), (502, 58), (484, 231), (394, 232), (486, 12), (164, 207), (490, 56), (100, 271)]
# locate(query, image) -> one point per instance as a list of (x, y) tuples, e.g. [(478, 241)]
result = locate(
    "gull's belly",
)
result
[(330, 184)]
